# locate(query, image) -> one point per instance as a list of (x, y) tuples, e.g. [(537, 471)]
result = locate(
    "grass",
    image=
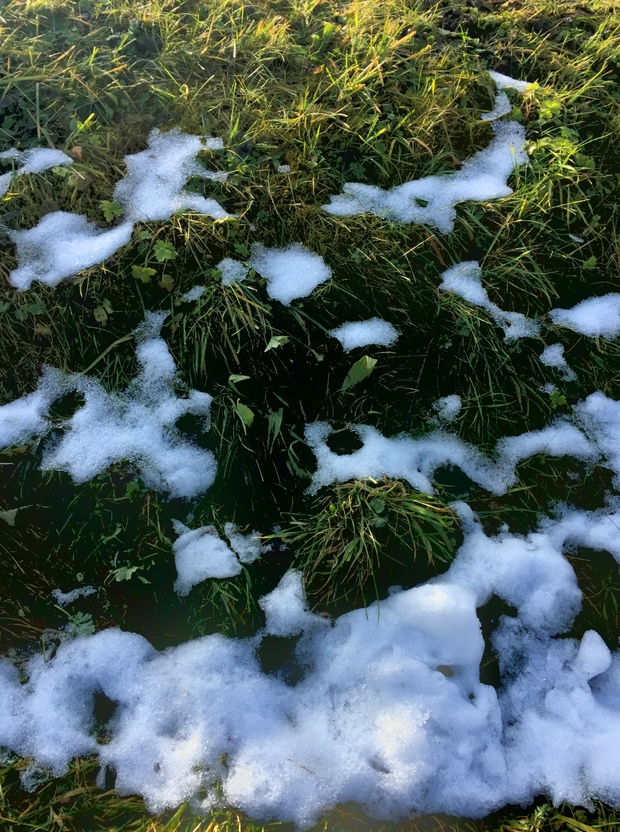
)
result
[(359, 91), (357, 528)]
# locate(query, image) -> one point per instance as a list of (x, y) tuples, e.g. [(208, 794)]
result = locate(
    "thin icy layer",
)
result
[(63, 599), (60, 246), (591, 435), (464, 279), (200, 554), (136, 426), (232, 271), (553, 356), (35, 160), (389, 711), (594, 317), (361, 333), (292, 272), (153, 188), (431, 200)]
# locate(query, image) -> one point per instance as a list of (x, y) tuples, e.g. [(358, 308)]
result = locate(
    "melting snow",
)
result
[(232, 271), (589, 438), (200, 554), (361, 333), (35, 160), (292, 272), (136, 426), (505, 82), (553, 356), (464, 280), (431, 200), (153, 188), (63, 599), (61, 245), (376, 717), (194, 293), (594, 317), (448, 408), (390, 710)]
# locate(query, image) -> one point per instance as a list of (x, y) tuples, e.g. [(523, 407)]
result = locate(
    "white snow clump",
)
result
[(200, 554), (593, 317), (247, 547), (24, 418), (60, 246), (593, 438), (63, 599), (448, 408), (35, 160), (432, 199), (390, 711), (505, 82), (501, 107), (553, 356), (194, 293), (354, 334), (153, 188), (136, 426), (232, 271), (63, 244), (464, 279), (291, 272)]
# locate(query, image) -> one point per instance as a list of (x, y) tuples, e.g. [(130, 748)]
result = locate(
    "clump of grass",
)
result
[(356, 527)]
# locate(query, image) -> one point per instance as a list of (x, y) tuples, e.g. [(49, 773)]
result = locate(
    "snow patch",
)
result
[(153, 188), (594, 317), (553, 356), (291, 272), (35, 160), (354, 334), (432, 199), (60, 246), (464, 279)]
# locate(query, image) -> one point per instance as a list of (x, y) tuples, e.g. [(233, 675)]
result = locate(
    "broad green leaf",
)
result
[(550, 109), (8, 515), (245, 414), (166, 282), (377, 505), (4, 305), (558, 399), (101, 316), (277, 341), (358, 372), (36, 308), (111, 210), (590, 263), (124, 573), (143, 273), (164, 251)]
